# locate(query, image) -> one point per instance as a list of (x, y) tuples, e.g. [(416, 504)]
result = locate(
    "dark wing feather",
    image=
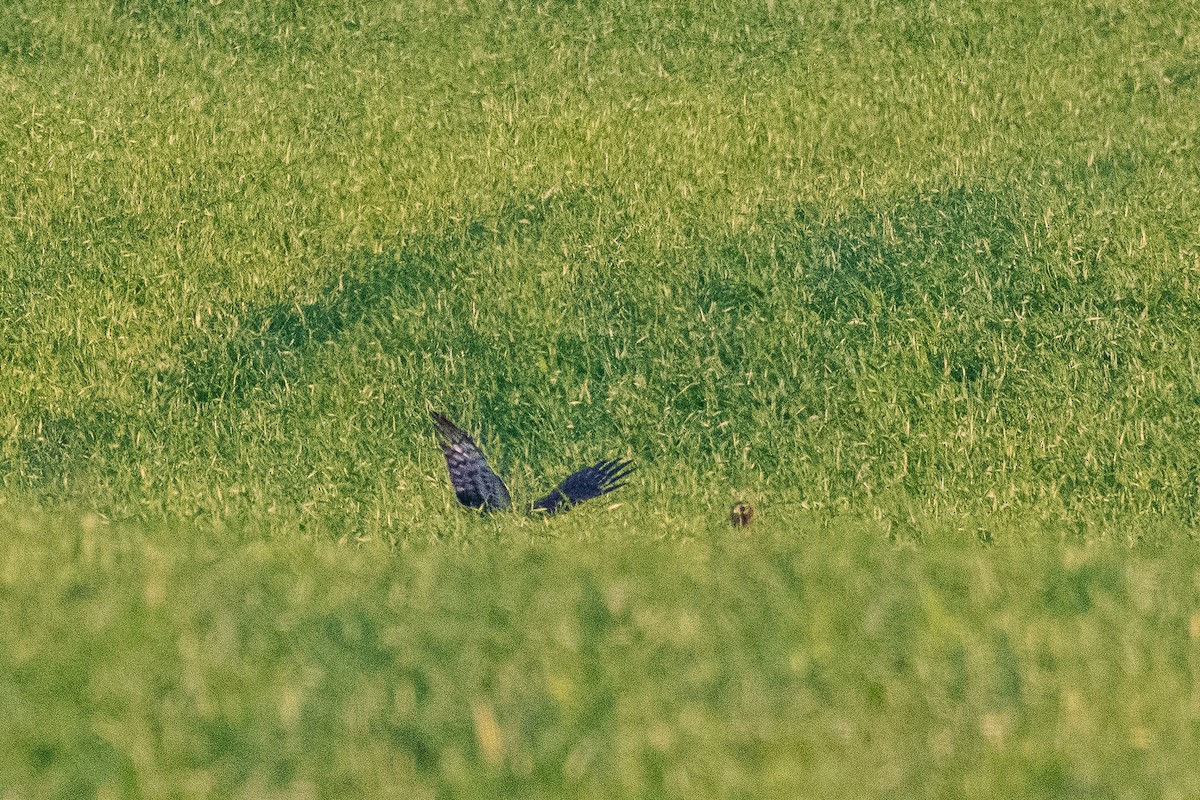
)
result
[(584, 484), (475, 485)]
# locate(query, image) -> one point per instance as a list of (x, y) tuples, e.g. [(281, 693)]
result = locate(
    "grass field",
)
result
[(919, 280)]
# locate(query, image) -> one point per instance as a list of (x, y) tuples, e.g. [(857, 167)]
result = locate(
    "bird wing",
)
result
[(475, 485), (584, 484)]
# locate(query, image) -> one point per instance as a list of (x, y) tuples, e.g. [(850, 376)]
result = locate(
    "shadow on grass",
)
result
[(874, 269), (948, 267), (924, 310), (957, 252), (50, 446), (259, 347)]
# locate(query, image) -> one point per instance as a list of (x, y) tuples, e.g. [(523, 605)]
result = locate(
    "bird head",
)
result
[(741, 514)]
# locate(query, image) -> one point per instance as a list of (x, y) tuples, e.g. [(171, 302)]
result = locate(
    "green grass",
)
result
[(919, 280), (809, 661)]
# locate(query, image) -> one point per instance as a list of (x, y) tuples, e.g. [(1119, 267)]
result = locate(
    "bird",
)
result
[(741, 514), (477, 486)]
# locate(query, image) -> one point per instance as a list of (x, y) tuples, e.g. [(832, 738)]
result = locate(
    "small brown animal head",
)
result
[(741, 514)]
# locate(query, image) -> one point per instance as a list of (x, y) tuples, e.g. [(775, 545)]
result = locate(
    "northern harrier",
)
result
[(476, 486)]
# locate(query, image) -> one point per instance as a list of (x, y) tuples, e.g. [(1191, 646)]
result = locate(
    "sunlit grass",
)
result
[(918, 281)]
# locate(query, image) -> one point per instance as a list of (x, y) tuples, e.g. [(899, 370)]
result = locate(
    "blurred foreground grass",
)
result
[(810, 660)]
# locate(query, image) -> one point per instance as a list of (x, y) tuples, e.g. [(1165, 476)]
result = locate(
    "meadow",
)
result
[(921, 281)]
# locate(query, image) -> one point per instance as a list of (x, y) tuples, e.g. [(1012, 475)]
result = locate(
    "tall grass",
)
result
[(808, 661), (912, 278), (921, 257)]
